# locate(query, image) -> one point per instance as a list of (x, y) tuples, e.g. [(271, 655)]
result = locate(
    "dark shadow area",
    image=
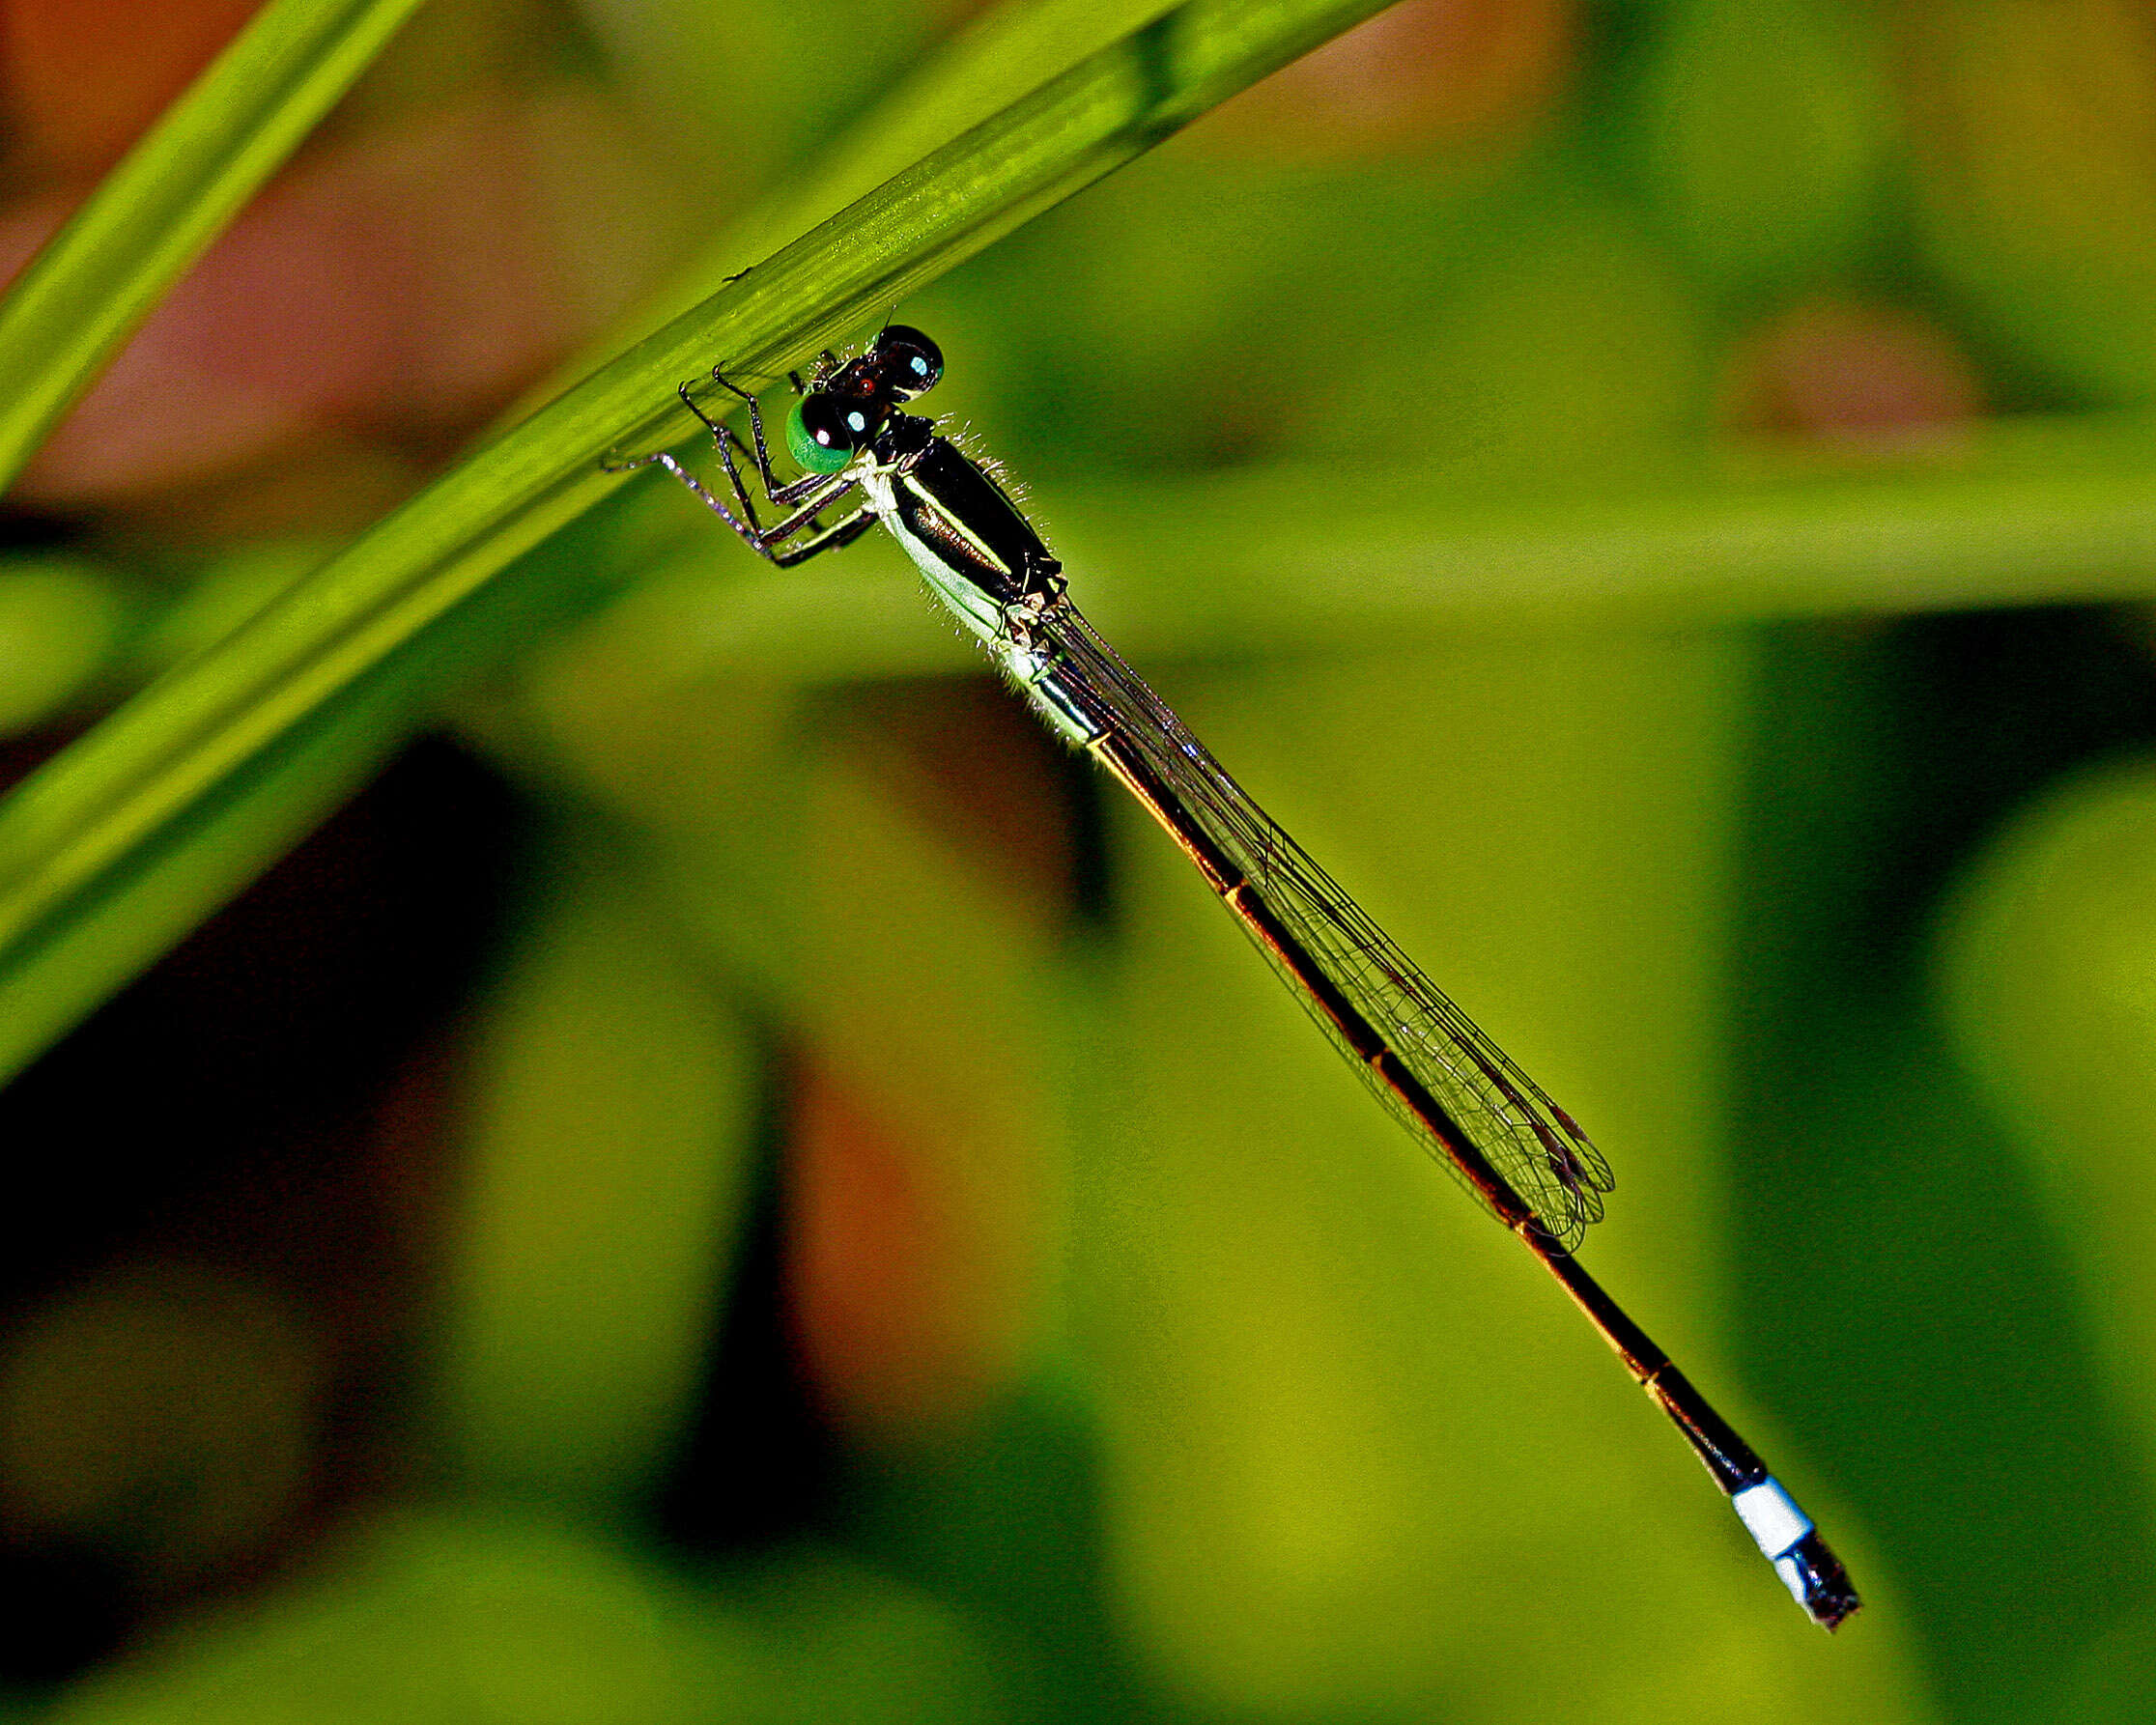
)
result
[(761, 1459), (263, 1106), (1004, 1521), (1905, 1309)]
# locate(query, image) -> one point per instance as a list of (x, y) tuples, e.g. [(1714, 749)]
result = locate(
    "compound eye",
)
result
[(824, 432), (908, 361)]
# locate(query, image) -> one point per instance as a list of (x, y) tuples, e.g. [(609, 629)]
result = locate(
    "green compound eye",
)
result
[(823, 433)]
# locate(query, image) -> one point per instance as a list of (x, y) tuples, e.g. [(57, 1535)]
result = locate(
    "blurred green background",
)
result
[(737, 1183)]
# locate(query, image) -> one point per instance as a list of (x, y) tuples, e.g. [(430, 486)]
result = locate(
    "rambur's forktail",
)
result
[(1518, 1153)]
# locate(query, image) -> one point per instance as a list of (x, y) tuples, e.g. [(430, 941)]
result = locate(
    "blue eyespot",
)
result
[(906, 361)]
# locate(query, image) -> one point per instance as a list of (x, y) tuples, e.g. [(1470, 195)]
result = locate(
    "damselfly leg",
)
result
[(815, 492), (779, 494)]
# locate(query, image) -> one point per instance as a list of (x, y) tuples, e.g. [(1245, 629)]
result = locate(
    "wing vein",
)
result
[(1531, 1143)]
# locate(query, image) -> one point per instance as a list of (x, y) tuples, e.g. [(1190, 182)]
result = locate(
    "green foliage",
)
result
[(1410, 477), (1763, 132), (134, 833), (458, 1618), (82, 298)]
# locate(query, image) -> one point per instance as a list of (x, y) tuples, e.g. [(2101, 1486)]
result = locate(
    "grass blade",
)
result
[(83, 296), (2039, 512), (113, 847)]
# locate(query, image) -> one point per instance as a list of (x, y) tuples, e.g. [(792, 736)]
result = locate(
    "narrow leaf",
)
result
[(200, 767), (83, 296)]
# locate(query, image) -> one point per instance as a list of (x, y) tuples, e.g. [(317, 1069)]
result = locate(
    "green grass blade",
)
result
[(2042, 511), (82, 297), (1004, 54), (2035, 511), (113, 848), (242, 821)]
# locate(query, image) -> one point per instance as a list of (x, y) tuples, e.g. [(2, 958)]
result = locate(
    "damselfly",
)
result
[(1516, 1152)]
